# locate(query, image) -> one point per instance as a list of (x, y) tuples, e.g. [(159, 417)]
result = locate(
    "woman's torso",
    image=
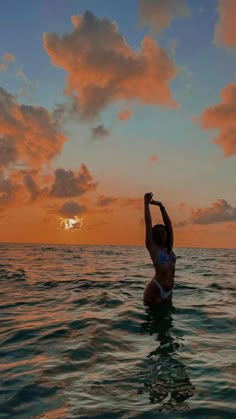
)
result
[(159, 288)]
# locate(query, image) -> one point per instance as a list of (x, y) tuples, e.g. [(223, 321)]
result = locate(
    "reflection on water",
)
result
[(167, 381), (76, 341)]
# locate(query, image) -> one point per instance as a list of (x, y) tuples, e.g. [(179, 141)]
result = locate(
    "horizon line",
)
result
[(107, 244)]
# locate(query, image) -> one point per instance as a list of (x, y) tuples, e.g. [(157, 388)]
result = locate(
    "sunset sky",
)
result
[(102, 101)]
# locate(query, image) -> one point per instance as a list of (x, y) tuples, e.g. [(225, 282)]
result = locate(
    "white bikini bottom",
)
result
[(164, 294)]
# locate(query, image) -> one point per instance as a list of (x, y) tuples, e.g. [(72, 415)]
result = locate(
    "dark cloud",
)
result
[(71, 209), (69, 184), (99, 131), (104, 201), (220, 211), (31, 185)]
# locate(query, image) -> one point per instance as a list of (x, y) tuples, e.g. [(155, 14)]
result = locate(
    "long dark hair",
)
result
[(155, 236)]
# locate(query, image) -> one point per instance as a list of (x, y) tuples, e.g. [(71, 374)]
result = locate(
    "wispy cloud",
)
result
[(3, 67), (153, 158), (9, 57), (158, 14), (125, 114), (108, 201)]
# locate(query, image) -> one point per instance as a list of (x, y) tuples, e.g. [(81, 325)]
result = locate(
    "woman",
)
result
[(159, 243)]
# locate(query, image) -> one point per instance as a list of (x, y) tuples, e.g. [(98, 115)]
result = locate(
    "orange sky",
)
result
[(107, 111)]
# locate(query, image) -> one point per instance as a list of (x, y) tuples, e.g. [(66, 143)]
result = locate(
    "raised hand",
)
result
[(158, 203), (148, 197)]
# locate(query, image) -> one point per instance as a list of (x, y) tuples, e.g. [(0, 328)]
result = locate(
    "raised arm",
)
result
[(167, 222), (148, 219)]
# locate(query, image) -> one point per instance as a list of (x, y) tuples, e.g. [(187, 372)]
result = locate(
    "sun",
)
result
[(71, 223)]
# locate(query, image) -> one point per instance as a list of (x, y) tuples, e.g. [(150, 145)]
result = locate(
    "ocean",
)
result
[(77, 342)]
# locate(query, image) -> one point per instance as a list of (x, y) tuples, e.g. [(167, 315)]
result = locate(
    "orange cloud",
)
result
[(125, 114), (180, 223), (3, 67), (231, 227), (153, 158), (9, 57), (220, 211), (182, 207), (28, 135), (159, 14), (30, 139), (102, 68), (223, 117), (225, 30)]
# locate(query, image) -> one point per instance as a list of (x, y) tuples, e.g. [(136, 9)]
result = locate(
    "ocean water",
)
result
[(77, 342)]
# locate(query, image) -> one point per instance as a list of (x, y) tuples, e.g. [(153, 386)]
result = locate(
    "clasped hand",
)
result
[(148, 199)]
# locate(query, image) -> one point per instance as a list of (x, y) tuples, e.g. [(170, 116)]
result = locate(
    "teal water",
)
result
[(76, 340)]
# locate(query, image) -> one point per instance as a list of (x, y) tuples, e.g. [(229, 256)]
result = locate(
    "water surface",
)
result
[(76, 340)]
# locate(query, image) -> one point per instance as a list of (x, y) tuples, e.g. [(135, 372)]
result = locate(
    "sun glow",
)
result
[(71, 223)]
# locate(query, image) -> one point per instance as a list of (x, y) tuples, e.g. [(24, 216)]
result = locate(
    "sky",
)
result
[(103, 101)]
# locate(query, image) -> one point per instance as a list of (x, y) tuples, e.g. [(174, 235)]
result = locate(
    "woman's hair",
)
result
[(157, 238)]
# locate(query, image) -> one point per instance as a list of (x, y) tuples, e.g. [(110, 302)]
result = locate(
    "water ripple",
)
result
[(76, 340)]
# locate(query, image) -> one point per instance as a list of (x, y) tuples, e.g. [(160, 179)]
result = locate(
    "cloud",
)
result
[(28, 135), (153, 158), (3, 67), (182, 207), (7, 190), (220, 211), (231, 227), (103, 69), (106, 201), (9, 57), (68, 184), (99, 131), (223, 117), (178, 224), (30, 138), (159, 14), (136, 203), (125, 114), (225, 29), (71, 209), (31, 185)]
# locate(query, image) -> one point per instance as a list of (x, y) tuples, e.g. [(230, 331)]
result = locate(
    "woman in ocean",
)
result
[(159, 243)]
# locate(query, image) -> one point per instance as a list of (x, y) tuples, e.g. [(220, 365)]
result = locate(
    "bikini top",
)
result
[(165, 257)]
